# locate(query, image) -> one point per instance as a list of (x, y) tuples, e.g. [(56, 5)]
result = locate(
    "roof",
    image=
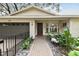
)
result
[(57, 16), (36, 7), (37, 17)]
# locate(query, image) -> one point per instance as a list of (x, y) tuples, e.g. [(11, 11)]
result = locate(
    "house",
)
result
[(37, 22)]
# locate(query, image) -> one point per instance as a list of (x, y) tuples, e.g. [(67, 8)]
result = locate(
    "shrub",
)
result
[(49, 36), (77, 42), (26, 43), (73, 53), (65, 39), (76, 48)]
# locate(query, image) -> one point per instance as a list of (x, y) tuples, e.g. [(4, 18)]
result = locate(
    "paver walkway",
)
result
[(40, 47)]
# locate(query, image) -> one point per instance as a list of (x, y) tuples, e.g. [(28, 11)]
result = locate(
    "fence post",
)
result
[(3, 45), (15, 45), (7, 51), (6, 47), (0, 53)]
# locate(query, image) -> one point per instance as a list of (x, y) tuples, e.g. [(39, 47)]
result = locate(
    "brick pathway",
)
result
[(40, 47)]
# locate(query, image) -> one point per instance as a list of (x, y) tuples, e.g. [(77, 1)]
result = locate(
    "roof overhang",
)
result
[(32, 16)]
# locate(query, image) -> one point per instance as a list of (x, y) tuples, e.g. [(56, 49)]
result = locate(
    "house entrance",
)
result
[(39, 29)]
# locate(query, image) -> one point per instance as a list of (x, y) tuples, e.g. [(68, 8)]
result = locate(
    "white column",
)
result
[(57, 27), (44, 28), (32, 29), (48, 27)]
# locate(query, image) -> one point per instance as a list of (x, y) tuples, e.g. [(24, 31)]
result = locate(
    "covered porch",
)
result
[(42, 27)]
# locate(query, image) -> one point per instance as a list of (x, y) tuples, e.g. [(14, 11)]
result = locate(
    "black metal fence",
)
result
[(9, 45)]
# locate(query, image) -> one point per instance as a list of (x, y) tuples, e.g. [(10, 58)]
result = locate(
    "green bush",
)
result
[(26, 43), (65, 39), (73, 53), (49, 36), (77, 42)]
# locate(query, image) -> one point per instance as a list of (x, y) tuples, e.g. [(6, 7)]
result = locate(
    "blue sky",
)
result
[(69, 6)]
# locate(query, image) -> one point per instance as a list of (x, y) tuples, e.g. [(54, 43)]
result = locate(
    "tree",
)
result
[(57, 6), (8, 8)]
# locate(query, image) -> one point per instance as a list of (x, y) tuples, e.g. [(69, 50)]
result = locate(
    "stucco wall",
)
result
[(61, 28), (74, 27)]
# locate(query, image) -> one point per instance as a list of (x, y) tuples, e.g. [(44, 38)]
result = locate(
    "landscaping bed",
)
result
[(25, 47), (63, 44), (56, 50)]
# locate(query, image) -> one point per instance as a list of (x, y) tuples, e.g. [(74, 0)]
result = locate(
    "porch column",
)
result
[(32, 29), (44, 28), (58, 27)]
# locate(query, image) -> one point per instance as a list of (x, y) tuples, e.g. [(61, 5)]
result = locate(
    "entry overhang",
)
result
[(35, 16)]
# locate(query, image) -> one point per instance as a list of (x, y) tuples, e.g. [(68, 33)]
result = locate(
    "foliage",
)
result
[(65, 39), (73, 53), (76, 48), (8, 8), (26, 43), (49, 36), (77, 42)]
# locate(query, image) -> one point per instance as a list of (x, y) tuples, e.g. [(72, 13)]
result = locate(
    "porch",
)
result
[(45, 26)]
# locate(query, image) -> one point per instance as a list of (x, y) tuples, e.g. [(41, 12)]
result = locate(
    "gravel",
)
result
[(22, 52), (55, 49)]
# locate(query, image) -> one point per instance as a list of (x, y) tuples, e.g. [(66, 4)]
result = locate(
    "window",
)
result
[(53, 28)]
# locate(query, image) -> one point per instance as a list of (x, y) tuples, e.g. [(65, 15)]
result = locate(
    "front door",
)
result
[(39, 29)]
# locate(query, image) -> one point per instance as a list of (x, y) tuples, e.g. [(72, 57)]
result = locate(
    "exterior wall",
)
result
[(61, 28), (74, 27)]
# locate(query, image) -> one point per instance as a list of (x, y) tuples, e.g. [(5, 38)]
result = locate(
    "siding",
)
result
[(74, 27)]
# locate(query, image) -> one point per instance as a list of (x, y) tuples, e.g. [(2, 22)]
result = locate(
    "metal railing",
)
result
[(9, 45)]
